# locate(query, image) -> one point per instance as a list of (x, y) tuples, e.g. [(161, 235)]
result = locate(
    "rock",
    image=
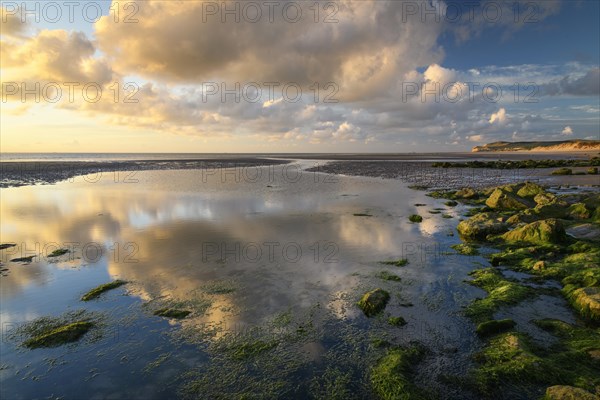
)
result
[(481, 225), (526, 216), (595, 354), (563, 171), (493, 327), (587, 301), (558, 209), (465, 193), (539, 266), (561, 392), (539, 232), (530, 190), (544, 198), (584, 231), (373, 302), (579, 211), (503, 200)]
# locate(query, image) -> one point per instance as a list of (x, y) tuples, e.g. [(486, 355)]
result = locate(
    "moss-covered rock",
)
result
[(563, 392), (396, 321), (97, 291), (59, 335), (466, 249), (523, 217), (490, 328), (172, 313), (373, 302), (563, 171), (415, 218), (585, 300), (548, 231), (530, 190), (503, 200), (481, 225), (544, 198), (466, 193), (579, 211)]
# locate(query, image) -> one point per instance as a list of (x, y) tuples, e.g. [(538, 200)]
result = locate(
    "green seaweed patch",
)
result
[(61, 335), (501, 292), (466, 249), (420, 205), (362, 215), (333, 384), (493, 327), (508, 357), (172, 313), (447, 216), (451, 203), (23, 259), (415, 218), (58, 253), (249, 349), (397, 321), (401, 262), (219, 287), (373, 302), (391, 376), (388, 276), (434, 212), (97, 291)]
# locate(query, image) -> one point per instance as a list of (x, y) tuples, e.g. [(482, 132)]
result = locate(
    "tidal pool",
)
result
[(269, 263)]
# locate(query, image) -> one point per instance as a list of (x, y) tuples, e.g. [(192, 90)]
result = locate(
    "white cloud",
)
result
[(567, 131), (498, 117)]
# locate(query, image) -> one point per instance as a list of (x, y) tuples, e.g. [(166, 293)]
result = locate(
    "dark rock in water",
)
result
[(58, 253), (23, 259), (548, 231), (493, 327), (503, 200), (6, 245), (415, 218), (561, 392), (373, 302), (481, 225), (60, 335), (172, 313)]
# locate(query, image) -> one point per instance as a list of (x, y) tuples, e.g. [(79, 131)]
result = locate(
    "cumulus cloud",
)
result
[(567, 131), (498, 117)]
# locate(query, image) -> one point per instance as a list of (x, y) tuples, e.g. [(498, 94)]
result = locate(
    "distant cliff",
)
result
[(563, 145)]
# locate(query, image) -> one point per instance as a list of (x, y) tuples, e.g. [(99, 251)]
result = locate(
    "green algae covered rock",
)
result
[(586, 301), (544, 198), (503, 200), (481, 225), (548, 231), (530, 190), (562, 392), (60, 335), (466, 193), (373, 302), (579, 211)]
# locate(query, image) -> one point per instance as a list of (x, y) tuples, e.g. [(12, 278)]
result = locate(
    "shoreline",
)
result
[(26, 173)]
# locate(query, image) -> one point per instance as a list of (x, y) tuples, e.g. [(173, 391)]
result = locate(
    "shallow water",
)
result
[(271, 254)]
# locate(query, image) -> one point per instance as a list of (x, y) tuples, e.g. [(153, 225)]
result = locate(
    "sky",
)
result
[(296, 76)]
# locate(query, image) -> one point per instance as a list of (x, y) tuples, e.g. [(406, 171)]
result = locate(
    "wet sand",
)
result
[(22, 173)]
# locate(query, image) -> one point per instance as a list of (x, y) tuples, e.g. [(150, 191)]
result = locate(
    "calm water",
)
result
[(276, 256)]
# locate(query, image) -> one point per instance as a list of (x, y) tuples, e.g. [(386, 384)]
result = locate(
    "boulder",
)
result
[(544, 198), (502, 200), (548, 231), (578, 211), (373, 302), (481, 225), (561, 392), (465, 193), (530, 190), (526, 216), (587, 301), (539, 266)]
